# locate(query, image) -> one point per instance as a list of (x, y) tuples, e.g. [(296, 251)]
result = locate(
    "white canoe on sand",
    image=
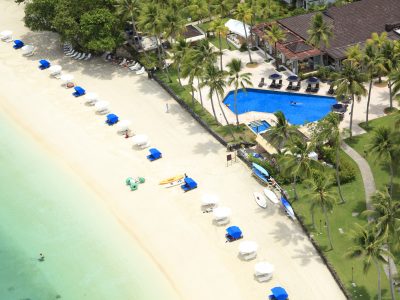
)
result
[(260, 199), (174, 183), (271, 196)]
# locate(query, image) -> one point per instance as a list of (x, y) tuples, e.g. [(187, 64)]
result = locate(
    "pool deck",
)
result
[(379, 97)]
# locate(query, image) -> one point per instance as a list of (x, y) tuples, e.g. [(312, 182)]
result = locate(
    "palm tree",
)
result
[(266, 8), (239, 80), (218, 26), (327, 130), (369, 246), (350, 82), (386, 216), (390, 58), (319, 33), (244, 14), (297, 162), (395, 77), (172, 23), (273, 35), (223, 7), (319, 191), (378, 41), (354, 53), (282, 132), (373, 63), (191, 68), (385, 145), (128, 10), (179, 49)]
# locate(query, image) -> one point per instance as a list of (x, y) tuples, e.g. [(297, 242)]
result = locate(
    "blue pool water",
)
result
[(308, 108), (259, 126)]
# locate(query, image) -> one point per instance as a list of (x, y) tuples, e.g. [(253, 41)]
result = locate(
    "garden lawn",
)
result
[(242, 133), (341, 217)]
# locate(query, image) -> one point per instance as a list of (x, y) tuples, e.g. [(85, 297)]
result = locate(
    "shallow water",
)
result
[(45, 209)]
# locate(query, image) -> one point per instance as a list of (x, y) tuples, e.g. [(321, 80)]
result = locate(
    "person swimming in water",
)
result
[(293, 103)]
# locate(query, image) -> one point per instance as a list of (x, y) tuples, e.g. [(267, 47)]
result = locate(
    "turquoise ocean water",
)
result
[(44, 209)]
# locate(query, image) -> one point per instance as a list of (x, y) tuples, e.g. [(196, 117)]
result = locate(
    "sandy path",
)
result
[(167, 223)]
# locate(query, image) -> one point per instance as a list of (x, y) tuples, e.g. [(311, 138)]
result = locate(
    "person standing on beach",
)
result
[(41, 257)]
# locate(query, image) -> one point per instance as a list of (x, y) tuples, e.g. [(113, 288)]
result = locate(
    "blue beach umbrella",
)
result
[(275, 76), (312, 80), (293, 78)]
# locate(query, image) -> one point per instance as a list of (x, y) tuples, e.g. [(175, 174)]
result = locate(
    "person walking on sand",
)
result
[(41, 257)]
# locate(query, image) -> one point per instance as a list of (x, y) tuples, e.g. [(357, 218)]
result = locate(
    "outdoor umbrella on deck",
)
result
[(313, 80), (293, 78), (55, 70), (209, 200), (66, 78), (248, 247), (6, 35), (221, 213), (263, 268), (91, 98), (140, 139), (275, 76), (101, 106), (123, 125)]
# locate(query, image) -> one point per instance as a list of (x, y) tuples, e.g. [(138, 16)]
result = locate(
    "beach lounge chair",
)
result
[(233, 233), (75, 55), (78, 91), (290, 86), (279, 85), (261, 84), (79, 56), (315, 89), (18, 44), (89, 56), (189, 184), (70, 53), (154, 154), (297, 87), (83, 56), (112, 119), (44, 64), (273, 84), (308, 89), (123, 62), (278, 293), (141, 71), (135, 67)]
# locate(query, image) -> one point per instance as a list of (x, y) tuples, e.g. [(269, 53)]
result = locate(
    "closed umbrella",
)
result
[(263, 268), (140, 139), (27, 49), (101, 106), (67, 78), (91, 98), (55, 69), (221, 213), (6, 34), (247, 247), (209, 200), (123, 125)]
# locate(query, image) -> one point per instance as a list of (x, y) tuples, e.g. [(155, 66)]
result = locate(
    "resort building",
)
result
[(352, 24)]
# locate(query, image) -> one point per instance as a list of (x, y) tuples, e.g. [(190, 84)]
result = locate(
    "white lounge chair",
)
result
[(89, 56), (135, 67), (123, 62), (83, 56), (141, 71), (132, 64), (80, 56), (73, 52), (76, 54)]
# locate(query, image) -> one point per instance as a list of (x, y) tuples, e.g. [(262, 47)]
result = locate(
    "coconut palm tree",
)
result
[(373, 63), (244, 14), (191, 68), (369, 246), (377, 41), (385, 145), (273, 35), (179, 49), (128, 10), (265, 9), (391, 62), (354, 53), (350, 83), (319, 33), (239, 80), (395, 77), (320, 192), (327, 130), (223, 7), (297, 162), (218, 26), (172, 23), (282, 132)]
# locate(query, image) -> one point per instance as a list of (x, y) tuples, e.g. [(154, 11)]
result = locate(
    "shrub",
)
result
[(347, 172), (243, 47)]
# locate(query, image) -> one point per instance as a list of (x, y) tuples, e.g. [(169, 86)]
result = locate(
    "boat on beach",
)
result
[(174, 183), (288, 208), (172, 179), (260, 199), (271, 196)]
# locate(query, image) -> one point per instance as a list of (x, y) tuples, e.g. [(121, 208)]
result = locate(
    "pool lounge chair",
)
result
[(71, 53), (261, 84), (308, 89), (273, 84), (89, 56), (83, 56), (141, 71), (18, 44), (79, 56), (297, 87), (190, 184), (112, 119), (331, 91), (290, 86), (154, 154), (315, 89), (279, 85), (44, 64), (78, 91), (75, 55)]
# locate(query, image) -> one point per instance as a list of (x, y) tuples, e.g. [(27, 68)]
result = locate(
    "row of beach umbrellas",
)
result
[(293, 78)]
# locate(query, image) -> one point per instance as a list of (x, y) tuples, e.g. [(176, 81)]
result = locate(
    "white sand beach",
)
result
[(168, 224)]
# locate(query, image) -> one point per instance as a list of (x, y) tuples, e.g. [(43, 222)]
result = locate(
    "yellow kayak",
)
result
[(172, 179)]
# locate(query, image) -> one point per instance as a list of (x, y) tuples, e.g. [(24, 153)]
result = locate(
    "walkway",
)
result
[(366, 173)]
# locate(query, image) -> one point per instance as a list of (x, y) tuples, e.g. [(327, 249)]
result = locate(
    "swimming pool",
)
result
[(298, 108), (259, 126)]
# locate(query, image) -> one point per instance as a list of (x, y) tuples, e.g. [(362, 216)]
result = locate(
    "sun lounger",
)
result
[(18, 44), (78, 91), (331, 90), (154, 154), (273, 84), (44, 64), (297, 87), (89, 56), (290, 86), (135, 67), (75, 55), (141, 71), (315, 89), (308, 89), (261, 84), (79, 56), (279, 85), (123, 62), (73, 52)]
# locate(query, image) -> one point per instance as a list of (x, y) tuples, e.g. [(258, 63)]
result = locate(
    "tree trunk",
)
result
[(178, 69), (391, 177), (294, 188), (392, 292), (276, 57), (328, 229), (191, 86), (378, 269), (390, 93), (313, 218), (213, 109), (200, 94), (351, 116), (337, 174), (369, 98), (235, 107), (226, 120), (248, 49), (220, 51), (163, 61)]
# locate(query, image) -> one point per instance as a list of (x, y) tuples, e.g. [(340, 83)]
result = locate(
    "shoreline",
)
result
[(199, 263)]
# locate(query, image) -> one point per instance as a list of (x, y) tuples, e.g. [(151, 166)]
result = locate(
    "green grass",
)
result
[(241, 134), (341, 217)]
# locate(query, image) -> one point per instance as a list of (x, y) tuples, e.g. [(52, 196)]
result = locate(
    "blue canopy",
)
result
[(79, 90), (279, 293), (112, 118), (44, 63), (18, 44), (261, 169), (155, 152), (288, 207), (234, 232), (293, 78), (190, 184), (275, 76), (313, 80)]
